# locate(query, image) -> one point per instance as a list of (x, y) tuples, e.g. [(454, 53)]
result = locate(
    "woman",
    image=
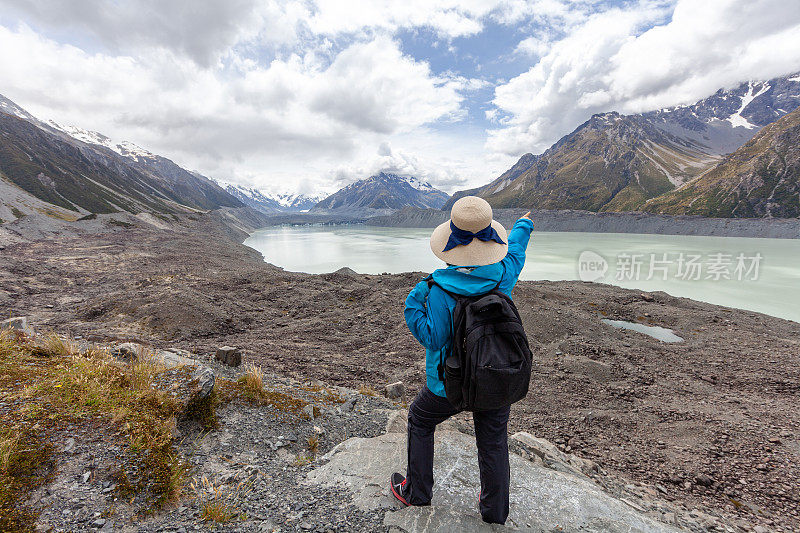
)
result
[(480, 256)]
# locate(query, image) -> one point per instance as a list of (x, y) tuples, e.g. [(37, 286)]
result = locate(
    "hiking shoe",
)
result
[(397, 483)]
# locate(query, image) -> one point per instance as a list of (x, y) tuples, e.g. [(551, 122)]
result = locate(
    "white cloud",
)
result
[(279, 120), (609, 63), (203, 31), (286, 93)]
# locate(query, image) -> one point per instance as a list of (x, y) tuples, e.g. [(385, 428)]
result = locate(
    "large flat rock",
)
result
[(542, 499)]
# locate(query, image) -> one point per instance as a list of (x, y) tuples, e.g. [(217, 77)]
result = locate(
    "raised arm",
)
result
[(517, 244)]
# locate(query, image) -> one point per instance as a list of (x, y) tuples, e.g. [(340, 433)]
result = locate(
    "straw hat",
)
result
[(470, 215)]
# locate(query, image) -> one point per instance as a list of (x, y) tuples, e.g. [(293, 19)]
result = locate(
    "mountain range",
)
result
[(384, 191), (271, 203), (68, 172), (616, 162)]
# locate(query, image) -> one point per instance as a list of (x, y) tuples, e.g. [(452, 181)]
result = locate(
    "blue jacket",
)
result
[(429, 312)]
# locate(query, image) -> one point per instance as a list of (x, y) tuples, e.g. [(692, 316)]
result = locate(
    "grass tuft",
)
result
[(252, 381), (250, 387), (220, 503), (51, 383)]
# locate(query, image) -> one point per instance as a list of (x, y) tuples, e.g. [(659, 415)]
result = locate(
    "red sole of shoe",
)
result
[(402, 500)]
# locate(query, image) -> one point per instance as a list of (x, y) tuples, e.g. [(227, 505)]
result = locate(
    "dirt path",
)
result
[(714, 421)]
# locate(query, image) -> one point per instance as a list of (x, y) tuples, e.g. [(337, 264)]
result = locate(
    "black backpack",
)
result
[(489, 364)]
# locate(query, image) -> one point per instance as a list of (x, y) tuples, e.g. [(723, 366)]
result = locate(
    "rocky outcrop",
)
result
[(550, 495)]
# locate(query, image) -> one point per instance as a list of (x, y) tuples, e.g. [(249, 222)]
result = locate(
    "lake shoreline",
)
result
[(628, 222)]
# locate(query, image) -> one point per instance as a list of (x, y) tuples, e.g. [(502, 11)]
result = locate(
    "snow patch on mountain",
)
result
[(736, 119), (123, 148), (9, 107)]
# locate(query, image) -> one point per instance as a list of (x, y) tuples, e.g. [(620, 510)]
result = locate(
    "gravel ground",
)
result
[(715, 420)]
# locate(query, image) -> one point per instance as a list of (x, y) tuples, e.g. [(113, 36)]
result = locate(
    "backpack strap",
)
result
[(457, 298)]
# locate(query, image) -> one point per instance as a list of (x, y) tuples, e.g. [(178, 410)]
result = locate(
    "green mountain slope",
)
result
[(610, 163)]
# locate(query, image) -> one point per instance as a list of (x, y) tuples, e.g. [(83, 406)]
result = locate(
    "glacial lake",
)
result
[(757, 274)]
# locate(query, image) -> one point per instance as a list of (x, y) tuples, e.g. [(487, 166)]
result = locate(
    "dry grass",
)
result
[(313, 444), (218, 502), (250, 387), (8, 444), (366, 390), (252, 381), (52, 384), (53, 346)]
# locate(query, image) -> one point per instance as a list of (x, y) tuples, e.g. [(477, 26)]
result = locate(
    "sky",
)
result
[(310, 95)]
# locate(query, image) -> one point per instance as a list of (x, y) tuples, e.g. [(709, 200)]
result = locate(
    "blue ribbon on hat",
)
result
[(460, 237)]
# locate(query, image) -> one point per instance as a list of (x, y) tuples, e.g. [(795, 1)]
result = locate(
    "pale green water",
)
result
[(554, 256)]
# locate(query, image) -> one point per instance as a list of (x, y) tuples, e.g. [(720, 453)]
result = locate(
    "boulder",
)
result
[(129, 351), (394, 391), (201, 377), (229, 355), (542, 499), (17, 323)]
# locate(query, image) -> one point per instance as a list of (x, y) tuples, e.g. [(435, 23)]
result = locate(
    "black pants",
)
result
[(491, 434)]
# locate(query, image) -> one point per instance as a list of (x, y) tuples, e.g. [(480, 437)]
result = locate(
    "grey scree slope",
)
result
[(541, 499)]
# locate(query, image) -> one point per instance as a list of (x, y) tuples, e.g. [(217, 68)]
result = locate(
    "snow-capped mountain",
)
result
[(270, 202), (83, 171), (384, 191), (616, 162), (726, 120)]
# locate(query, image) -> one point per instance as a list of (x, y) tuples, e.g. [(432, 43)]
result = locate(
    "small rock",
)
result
[(559, 353), (318, 430), (348, 405), (18, 323), (306, 526), (205, 381), (394, 391), (86, 475), (100, 522), (647, 297), (397, 422), (704, 480), (229, 355), (774, 440), (760, 529), (69, 445), (309, 410)]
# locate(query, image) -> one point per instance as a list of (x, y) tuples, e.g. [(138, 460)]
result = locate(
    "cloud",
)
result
[(242, 123), (612, 61), (203, 32)]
